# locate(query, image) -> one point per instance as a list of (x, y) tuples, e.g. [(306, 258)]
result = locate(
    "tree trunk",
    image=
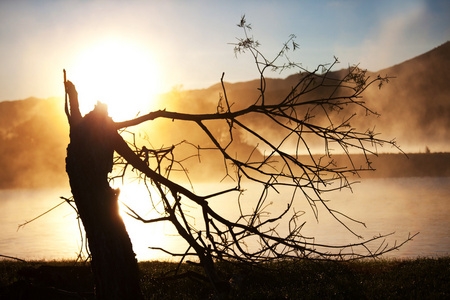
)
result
[(89, 160)]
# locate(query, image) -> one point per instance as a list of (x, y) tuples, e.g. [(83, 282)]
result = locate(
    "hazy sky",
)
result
[(157, 45)]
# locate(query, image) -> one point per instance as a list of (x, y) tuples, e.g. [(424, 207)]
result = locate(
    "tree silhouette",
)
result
[(93, 139), (284, 164)]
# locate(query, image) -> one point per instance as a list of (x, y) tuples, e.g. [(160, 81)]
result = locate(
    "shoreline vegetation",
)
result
[(393, 165), (419, 278)]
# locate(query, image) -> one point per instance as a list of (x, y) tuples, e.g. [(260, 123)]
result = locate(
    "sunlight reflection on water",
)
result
[(402, 205)]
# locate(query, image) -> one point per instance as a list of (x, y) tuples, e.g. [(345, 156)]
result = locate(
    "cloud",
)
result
[(397, 34)]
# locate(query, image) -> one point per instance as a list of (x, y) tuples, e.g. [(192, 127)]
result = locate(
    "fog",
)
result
[(414, 110), (413, 107), (33, 139)]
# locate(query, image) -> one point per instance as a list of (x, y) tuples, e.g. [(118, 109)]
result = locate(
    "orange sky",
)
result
[(153, 46)]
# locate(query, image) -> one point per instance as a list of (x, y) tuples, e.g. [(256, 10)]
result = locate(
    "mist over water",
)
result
[(414, 109), (401, 205), (53, 236)]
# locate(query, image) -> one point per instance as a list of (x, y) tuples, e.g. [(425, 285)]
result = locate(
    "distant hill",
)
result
[(33, 139), (414, 105), (414, 108)]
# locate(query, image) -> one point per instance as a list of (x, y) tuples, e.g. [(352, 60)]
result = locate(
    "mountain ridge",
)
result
[(414, 108)]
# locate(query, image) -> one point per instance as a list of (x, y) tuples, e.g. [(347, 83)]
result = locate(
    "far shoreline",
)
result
[(385, 165)]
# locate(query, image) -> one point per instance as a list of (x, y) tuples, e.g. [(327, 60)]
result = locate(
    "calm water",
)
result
[(403, 206)]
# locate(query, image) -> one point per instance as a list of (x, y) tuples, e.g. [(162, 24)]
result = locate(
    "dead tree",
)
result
[(308, 110), (93, 139)]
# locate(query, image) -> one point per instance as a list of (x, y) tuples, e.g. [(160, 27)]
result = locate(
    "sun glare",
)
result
[(160, 234), (119, 73)]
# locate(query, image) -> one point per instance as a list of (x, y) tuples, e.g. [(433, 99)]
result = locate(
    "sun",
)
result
[(119, 73)]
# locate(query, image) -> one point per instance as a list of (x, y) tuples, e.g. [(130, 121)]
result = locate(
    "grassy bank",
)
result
[(423, 278)]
